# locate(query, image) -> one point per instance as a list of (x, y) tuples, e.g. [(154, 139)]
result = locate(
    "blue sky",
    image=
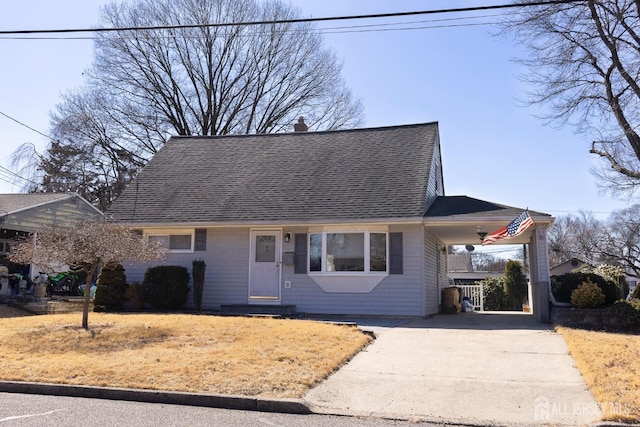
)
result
[(463, 77)]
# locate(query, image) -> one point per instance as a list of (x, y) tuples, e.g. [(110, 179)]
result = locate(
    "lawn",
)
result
[(610, 365), (191, 353)]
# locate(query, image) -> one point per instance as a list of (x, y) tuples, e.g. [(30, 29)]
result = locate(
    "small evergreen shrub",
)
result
[(110, 288), (588, 295), (166, 287), (495, 298), (197, 272), (135, 295), (636, 292)]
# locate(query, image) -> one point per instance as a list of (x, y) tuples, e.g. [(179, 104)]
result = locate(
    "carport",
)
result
[(463, 220)]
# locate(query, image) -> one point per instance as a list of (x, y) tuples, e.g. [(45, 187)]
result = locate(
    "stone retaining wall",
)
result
[(593, 318)]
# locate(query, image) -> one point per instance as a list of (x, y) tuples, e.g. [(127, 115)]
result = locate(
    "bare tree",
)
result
[(483, 261), (85, 245), (620, 243), (575, 236), (585, 65), (146, 85)]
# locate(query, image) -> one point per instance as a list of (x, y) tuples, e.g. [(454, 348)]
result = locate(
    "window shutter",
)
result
[(300, 256), (395, 256), (200, 239)]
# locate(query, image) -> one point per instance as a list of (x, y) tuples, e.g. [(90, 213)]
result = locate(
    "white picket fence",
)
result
[(474, 292)]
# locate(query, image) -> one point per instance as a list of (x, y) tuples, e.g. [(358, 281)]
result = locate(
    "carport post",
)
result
[(539, 273)]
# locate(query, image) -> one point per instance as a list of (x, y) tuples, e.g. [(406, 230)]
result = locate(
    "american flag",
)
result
[(513, 229)]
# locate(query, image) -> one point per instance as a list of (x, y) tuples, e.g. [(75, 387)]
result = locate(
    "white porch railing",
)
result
[(474, 292)]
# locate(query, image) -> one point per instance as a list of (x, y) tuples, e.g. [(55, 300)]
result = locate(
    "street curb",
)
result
[(288, 406)]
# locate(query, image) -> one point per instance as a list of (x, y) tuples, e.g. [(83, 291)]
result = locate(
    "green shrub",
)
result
[(494, 296), (515, 285), (636, 292), (135, 295), (110, 288), (166, 287), (562, 286), (199, 267), (628, 312), (588, 295)]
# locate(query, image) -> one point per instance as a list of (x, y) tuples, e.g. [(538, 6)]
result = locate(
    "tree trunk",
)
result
[(87, 296)]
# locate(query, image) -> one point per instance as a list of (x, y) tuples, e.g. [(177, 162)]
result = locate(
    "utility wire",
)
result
[(385, 27), (291, 21), (25, 125)]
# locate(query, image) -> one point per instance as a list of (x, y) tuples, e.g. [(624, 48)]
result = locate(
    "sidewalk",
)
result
[(471, 368)]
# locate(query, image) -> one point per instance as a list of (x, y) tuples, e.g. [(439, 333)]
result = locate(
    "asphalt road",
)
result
[(21, 410)]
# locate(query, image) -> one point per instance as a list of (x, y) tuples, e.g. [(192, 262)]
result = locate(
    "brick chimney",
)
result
[(300, 126)]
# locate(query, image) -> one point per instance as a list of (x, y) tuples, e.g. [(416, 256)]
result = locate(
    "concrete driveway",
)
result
[(470, 368)]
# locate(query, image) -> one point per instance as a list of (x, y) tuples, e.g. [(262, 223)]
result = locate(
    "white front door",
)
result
[(264, 267)]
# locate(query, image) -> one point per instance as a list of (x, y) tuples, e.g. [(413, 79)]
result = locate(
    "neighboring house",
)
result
[(568, 266), (462, 272), (24, 214), (339, 222)]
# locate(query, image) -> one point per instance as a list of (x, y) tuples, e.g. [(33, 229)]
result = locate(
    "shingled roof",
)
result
[(347, 175), (12, 203), (463, 207)]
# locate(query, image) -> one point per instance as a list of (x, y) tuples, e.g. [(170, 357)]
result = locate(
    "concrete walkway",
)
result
[(470, 368)]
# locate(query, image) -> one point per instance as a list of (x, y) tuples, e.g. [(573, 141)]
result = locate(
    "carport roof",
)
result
[(458, 219), (467, 207)]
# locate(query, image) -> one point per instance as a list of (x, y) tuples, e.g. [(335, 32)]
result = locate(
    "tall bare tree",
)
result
[(87, 245), (620, 243), (146, 85), (585, 66), (575, 236)]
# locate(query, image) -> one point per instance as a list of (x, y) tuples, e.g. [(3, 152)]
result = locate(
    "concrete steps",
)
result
[(258, 309)]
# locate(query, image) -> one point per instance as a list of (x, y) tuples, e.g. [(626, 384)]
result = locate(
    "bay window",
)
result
[(348, 251)]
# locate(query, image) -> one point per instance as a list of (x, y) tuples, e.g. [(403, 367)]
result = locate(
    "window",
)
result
[(178, 241), (348, 252)]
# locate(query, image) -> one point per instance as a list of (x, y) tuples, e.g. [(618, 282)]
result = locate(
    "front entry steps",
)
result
[(258, 309)]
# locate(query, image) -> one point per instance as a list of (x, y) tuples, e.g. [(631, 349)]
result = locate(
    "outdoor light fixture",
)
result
[(287, 237), (481, 234)]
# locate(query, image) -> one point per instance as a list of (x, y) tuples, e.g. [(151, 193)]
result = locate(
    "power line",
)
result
[(347, 29), (291, 21), (25, 125)]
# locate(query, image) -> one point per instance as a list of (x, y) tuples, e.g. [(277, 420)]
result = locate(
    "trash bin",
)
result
[(451, 300)]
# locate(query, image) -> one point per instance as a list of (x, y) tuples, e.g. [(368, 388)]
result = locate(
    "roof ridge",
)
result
[(323, 132)]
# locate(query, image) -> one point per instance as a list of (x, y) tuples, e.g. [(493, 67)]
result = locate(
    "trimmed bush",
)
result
[(166, 286), (588, 295), (110, 288), (135, 295), (562, 286), (197, 271), (495, 298), (515, 285), (636, 292)]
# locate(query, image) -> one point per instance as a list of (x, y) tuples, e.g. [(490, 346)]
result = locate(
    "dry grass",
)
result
[(610, 364), (207, 354)]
